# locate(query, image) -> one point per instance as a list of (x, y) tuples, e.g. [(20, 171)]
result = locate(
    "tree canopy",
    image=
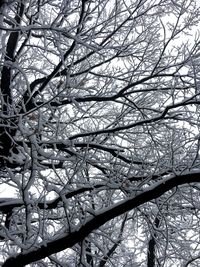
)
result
[(99, 133)]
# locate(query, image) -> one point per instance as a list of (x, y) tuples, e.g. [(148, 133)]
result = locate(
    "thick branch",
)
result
[(152, 246), (6, 94), (69, 240), (115, 245)]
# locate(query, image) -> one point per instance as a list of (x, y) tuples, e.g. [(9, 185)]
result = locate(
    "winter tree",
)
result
[(99, 133)]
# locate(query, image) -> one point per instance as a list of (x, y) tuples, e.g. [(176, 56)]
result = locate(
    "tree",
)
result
[(99, 133)]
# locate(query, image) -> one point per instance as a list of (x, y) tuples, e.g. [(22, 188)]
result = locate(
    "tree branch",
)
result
[(69, 240)]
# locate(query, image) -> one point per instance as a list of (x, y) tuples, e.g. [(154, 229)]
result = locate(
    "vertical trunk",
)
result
[(6, 133), (151, 257)]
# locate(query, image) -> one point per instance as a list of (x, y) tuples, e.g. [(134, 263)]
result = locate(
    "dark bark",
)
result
[(115, 245), (73, 238), (151, 257), (88, 250), (6, 133), (30, 101)]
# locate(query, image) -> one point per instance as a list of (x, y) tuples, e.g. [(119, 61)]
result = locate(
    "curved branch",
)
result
[(100, 218), (186, 102), (28, 100), (115, 245)]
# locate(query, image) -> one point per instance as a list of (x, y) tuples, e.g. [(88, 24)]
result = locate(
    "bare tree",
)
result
[(99, 133)]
